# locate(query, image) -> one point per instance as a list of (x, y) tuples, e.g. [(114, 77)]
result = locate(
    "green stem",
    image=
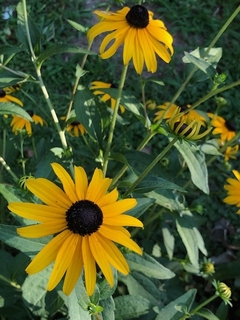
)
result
[(27, 30), (114, 118), (9, 170), (150, 167), (125, 167), (200, 306)]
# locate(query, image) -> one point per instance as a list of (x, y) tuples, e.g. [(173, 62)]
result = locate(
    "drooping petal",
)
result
[(48, 254), (66, 180), (63, 260), (74, 269), (49, 193), (119, 237), (89, 266), (100, 258)]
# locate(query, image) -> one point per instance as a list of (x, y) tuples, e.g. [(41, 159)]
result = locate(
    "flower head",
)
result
[(233, 190), (166, 113), (75, 128), (6, 97), (225, 128), (223, 291), (230, 152), (19, 123), (185, 127), (142, 36), (96, 85), (85, 220)]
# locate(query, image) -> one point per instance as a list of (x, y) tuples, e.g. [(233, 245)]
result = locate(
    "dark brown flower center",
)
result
[(84, 217), (30, 112), (230, 125), (137, 17), (183, 108), (182, 128), (2, 93), (75, 123)]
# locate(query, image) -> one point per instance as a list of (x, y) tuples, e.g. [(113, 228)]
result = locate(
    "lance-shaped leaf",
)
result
[(12, 108)]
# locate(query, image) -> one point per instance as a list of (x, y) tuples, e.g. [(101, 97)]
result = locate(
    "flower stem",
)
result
[(150, 167), (9, 170), (125, 167), (114, 118), (27, 30), (200, 306)]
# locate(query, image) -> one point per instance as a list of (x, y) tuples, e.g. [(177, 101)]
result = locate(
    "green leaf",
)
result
[(148, 266), (203, 65), (7, 49), (168, 239), (8, 193), (137, 282), (166, 199), (152, 182), (128, 307), (88, 113), (74, 307), (104, 287), (190, 236), (195, 160), (142, 205), (35, 33), (171, 313), (61, 48), (108, 308), (34, 291), (77, 26), (206, 314), (30, 247), (12, 108), (211, 147), (8, 78)]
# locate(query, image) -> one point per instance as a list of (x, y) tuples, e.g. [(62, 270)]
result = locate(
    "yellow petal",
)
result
[(66, 180), (38, 212), (123, 220), (43, 229), (118, 207), (74, 270), (49, 193), (81, 182), (108, 198), (89, 266), (63, 260), (98, 186), (48, 254), (119, 237), (99, 256)]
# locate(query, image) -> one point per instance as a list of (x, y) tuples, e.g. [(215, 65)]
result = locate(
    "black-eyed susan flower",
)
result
[(19, 123), (6, 97), (230, 153), (97, 85), (75, 128), (223, 291), (85, 220), (186, 128), (191, 114), (225, 128), (233, 190), (142, 37)]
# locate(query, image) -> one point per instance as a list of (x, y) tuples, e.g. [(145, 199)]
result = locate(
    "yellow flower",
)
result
[(231, 152), (185, 127), (95, 85), (225, 128), (19, 123), (75, 128), (191, 114), (85, 220), (142, 36), (233, 190), (6, 97)]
